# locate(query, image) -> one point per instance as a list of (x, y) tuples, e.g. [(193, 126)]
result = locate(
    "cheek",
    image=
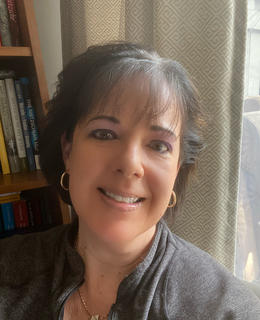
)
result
[(83, 166), (161, 180), (164, 172)]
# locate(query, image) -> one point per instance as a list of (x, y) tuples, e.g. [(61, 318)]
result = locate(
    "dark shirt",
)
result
[(176, 280)]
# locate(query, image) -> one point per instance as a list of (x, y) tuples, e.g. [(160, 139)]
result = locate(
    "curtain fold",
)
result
[(208, 38)]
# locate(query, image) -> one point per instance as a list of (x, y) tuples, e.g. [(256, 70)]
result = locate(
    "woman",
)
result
[(122, 138)]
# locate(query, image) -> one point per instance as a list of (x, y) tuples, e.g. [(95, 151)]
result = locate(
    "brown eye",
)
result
[(160, 146), (103, 134)]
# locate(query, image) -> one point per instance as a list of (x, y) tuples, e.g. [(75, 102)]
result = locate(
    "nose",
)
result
[(129, 161)]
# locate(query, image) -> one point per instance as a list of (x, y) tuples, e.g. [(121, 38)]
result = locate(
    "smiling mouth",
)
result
[(120, 198)]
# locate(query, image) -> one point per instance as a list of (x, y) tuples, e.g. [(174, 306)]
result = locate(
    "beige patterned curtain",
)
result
[(208, 38)]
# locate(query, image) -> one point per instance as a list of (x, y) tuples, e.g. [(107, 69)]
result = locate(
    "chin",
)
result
[(116, 233)]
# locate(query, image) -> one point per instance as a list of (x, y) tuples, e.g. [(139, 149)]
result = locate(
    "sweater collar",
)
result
[(129, 285)]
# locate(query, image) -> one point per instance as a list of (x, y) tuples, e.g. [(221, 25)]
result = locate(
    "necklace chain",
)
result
[(92, 317)]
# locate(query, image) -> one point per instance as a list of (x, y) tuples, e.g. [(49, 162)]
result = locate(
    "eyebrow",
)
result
[(102, 117), (153, 127), (164, 130)]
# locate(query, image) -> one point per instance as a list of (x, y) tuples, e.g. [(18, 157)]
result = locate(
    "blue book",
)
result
[(1, 222), (26, 133), (31, 120), (8, 216)]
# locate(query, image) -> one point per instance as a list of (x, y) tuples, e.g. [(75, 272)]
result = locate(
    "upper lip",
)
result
[(122, 193)]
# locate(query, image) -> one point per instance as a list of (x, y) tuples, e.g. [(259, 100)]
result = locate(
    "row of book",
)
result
[(9, 26), (19, 136), (24, 212)]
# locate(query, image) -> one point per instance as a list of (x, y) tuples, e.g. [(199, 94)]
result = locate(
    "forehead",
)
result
[(139, 98)]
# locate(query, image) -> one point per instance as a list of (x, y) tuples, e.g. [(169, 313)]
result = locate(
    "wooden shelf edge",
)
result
[(15, 52), (22, 181)]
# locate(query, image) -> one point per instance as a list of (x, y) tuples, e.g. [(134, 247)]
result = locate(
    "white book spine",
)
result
[(17, 125)]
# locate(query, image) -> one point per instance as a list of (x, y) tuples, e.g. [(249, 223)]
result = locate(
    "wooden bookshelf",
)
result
[(15, 52), (22, 181), (26, 60)]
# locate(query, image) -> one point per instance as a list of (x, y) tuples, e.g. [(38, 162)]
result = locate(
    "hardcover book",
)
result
[(8, 216), (9, 197), (3, 154), (31, 120), (8, 130), (20, 214), (26, 134), (30, 213), (36, 211), (13, 22), (17, 125), (1, 222), (4, 24)]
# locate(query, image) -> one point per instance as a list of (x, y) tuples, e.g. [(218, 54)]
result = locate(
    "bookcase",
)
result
[(26, 60)]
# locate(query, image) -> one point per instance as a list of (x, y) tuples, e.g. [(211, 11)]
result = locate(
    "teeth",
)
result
[(120, 198)]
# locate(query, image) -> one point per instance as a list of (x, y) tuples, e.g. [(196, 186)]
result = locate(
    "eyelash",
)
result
[(161, 143), (105, 132)]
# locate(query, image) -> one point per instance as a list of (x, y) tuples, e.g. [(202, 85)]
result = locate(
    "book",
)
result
[(20, 214), (26, 134), (8, 216), (36, 211), (13, 22), (9, 197), (31, 120), (7, 125), (30, 213), (17, 125), (1, 222), (4, 24), (3, 154)]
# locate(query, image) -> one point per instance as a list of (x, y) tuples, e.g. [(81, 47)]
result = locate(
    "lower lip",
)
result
[(120, 205)]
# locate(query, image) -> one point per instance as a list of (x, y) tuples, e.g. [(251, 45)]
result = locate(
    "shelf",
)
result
[(22, 181), (15, 52)]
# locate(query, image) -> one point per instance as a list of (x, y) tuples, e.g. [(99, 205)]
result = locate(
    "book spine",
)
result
[(13, 20), (8, 215), (16, 123), (8, 130), (26, 134), (36, 211), (31, 120), (20, 214), (9, 197), (3, 153), (4, 24), (1, 221), (30, 213), (45, 221)]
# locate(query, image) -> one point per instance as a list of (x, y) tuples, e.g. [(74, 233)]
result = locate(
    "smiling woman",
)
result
[(122, 169), (122, 137)]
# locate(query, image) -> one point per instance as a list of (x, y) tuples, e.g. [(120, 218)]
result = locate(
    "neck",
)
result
[(108, 260), (106, 265)]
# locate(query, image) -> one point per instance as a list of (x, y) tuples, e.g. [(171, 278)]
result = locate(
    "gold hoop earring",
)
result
[(174, 200), (62, 182)]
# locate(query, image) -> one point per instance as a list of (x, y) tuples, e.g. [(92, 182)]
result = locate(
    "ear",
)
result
[(66, 150)]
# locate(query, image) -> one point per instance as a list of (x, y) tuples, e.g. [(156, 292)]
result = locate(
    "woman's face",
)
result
[(122, 171)]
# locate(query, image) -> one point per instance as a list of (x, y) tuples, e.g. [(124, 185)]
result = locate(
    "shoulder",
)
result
[(29, 252), (198, 287)]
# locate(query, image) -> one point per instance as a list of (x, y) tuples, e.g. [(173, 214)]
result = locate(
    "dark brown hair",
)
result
[(89, 78)]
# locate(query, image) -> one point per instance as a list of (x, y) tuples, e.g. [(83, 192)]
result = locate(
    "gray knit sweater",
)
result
[(176, 280)]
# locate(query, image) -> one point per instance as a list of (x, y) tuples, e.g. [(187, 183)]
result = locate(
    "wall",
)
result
[(48, 20)]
